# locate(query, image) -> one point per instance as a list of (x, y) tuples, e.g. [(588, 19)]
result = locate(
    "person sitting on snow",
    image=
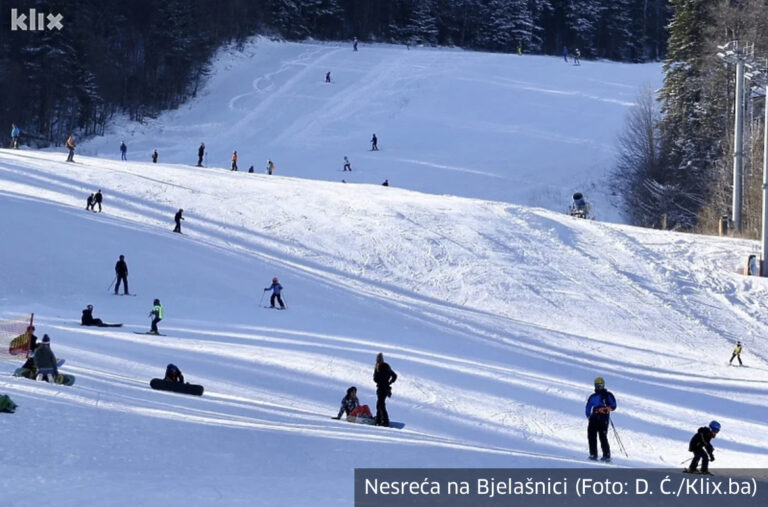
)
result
[(351, 405), (45, 360), (173, 374), (88, 320)]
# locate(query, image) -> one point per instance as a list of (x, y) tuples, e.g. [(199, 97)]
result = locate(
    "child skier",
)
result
[(157, 316), (276, 288), (736, 354), (702, 449), (600, 404)]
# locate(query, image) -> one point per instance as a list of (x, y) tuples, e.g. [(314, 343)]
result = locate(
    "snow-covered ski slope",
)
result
[(524, 129), (496, 318)]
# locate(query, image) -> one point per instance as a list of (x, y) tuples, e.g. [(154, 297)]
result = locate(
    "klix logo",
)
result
[(35, 21)]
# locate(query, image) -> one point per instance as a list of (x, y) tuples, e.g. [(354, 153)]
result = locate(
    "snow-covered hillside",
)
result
[(530, 130), (496, 317)]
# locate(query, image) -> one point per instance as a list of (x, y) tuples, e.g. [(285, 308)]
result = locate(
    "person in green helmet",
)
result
[(157, 316), (600, 404)]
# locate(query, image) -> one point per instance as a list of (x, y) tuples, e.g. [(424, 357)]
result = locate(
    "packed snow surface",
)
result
[(495, 315)]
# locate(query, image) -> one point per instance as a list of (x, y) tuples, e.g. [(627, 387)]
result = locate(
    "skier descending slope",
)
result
[(702, 449), (276, 289), (157, 316), (598, 410)]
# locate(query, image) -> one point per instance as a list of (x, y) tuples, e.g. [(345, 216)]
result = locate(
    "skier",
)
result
[(328, 77), (270, 167), (520, 50), (97, 198), (173, 374), (736, 354), (178, 218), (354, 45), (351, 405), (565, 53), (275, 288), (576, 57), (374, 143), (14, 136), (121, 275), (600, 404), (234, 161), (250, 169), (154, 156), (385, 184), (45, 360), (88, 320), (347, 166), (89, 202), (702, 449), (200, 154), (157, 316), (123, 150), (384, 378), (71, 148)]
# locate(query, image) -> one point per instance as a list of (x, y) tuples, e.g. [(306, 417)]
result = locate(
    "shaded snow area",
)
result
[(496, 316), (525, 129)]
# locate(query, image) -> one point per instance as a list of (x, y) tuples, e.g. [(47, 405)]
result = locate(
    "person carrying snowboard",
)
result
[(14, 136), (121, 275), (600, 404), (275, 288), (374, 143), (234, 161), (71, 148), (200, 154), (178, 218), (123, 150), (45, 360), (736, 354), (702, 449), (351, 405), (347, 165), (173, 374), (154, 156), (384, 377), (157, 316), (97, 199)]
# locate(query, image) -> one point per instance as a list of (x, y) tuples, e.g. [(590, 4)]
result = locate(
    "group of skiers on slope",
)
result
[(383, 377), (598, 410), (576, 55)]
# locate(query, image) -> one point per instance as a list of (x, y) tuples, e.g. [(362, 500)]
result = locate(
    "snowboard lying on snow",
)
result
[(61, 378), (371, 421), (176, 387)]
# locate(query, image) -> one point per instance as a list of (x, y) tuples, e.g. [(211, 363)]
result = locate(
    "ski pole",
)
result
[(616, 434), (286, 304), (686, 461), (262, 297), (110, 283)]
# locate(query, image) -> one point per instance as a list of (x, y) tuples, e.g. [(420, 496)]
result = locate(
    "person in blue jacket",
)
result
[(14, 136), (565, 53), (276, 288), (600, 404)]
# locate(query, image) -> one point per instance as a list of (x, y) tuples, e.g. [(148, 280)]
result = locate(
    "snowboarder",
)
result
[(178, 218), (45, 360), (97, 198), (88, 320), (157, 316), (89, 202), (234, 161), (351, 405), (200, 154), (374, 143), (173, 374), (736, 354), (154, 156), (385, 184), (384, 377), (250, 169), (275, 288), (577, 57), (123, 150), (600, 404), (14, 136), (347, 166), (702, 449), (354, 45), (121, 275), (328, 77), (71, 148), (270, 167), (565, 53)]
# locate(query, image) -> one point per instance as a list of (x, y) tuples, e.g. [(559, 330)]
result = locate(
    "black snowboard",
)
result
[(177, 387)]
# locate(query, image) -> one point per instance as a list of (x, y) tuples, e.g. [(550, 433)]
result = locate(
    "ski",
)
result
[(134, 295), (274, 308), (149, 333)]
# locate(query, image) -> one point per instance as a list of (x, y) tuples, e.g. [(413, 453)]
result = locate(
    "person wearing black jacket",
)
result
[(384, 377), (200, 154), (87, 318), (702, 449), (178, 218), (121, 271), (173, 374), (97, 200)]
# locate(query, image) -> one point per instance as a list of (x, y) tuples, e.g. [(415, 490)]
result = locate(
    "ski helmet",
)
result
[(90, 307), (46, 338), (600, 382), (714, 426), (156, 302), (274, 279)]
